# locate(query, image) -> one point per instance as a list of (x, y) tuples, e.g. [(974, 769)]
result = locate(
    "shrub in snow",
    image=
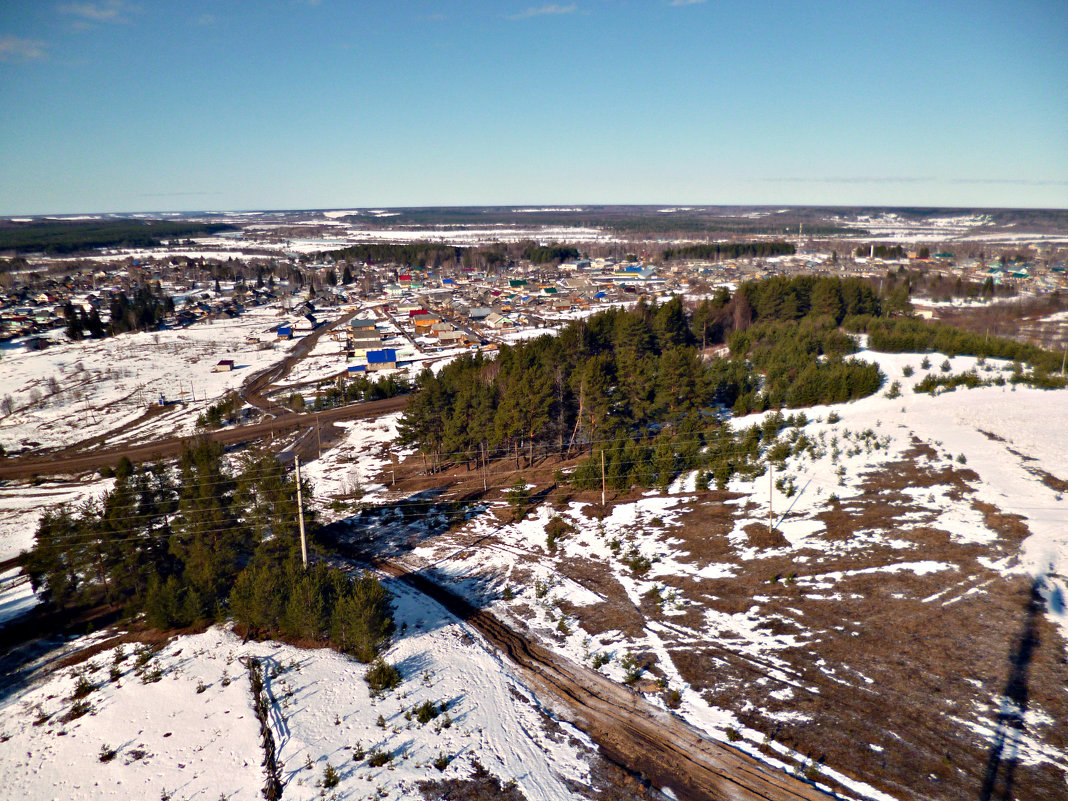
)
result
[(382, 676), (426, 712), (83, 688), (377, 758), (330, 777), (632, 671), (518, 498), (77, 710), (442, 761)]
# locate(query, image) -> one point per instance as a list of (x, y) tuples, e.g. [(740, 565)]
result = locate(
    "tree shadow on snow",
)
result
[(383, 534)]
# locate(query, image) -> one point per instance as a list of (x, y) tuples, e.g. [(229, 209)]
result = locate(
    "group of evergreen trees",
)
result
[(881, 251), (143, 312), (421, 254), (358, 388), (73, 236), (549, 254), (82, 324), (202, 543), (633, 382), (730, 250), (908, 335), (148, 307)]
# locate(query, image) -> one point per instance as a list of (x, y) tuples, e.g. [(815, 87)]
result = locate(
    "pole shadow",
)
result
[(1000, 774)]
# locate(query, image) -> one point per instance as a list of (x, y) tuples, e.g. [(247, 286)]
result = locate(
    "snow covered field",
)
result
[(184, 723), (108, 383)]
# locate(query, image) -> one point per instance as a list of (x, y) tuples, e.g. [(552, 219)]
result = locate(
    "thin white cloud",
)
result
[(106, 12), (205, 20), (875, 179), (12, 48), (541, 11), (686, 2)]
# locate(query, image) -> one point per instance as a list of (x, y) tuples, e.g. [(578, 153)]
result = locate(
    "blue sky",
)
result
[(133, 105)]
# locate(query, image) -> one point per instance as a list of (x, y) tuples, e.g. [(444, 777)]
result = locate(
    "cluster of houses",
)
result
[(457, 306)]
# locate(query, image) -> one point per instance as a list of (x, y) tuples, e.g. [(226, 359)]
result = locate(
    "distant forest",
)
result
[(732, 221), (58, 237)]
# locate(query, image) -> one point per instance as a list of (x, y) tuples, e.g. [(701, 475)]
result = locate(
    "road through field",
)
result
[(169, 447), (633, 733)]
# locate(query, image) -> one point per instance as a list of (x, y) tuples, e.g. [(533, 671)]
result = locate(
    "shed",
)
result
[(224, 366), (285, 332)]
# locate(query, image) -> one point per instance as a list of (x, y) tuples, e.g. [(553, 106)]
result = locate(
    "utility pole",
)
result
[(300, 516), (771, 492), (602, 479), (485, 483)]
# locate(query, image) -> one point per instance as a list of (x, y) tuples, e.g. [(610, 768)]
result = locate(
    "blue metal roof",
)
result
[(381, 356)]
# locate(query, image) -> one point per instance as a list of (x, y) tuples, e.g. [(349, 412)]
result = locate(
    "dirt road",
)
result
[(171, 446), (252, 390), (642, 738)]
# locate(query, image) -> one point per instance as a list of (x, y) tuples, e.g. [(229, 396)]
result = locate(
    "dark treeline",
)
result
[(59, 236), (358, 388), (549, 254), (643, 220), (730, 250), (633, 380), (143, 313), (201, 543), (421, 254), (881, 251), (908, 335)]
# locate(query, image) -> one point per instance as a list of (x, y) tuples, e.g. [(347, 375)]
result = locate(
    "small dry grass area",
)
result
[(893, 667)]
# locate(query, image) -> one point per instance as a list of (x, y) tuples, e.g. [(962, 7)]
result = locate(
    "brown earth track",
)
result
[(252, 390), (172, 446), (630, 731)]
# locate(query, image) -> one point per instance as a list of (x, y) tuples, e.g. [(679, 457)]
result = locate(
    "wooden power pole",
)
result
[(771, 492), (602, 478), (300, 516)]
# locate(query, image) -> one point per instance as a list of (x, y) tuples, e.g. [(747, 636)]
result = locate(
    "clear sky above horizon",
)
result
[(140, 105)]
